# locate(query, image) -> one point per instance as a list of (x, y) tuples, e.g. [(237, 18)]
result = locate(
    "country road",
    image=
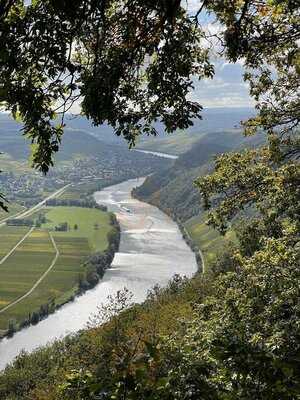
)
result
[(16, 246), (43, 202), (26, 214), (2, 221), (22, 214)]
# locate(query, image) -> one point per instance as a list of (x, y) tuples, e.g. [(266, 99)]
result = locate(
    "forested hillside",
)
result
[(173, 190), (76, 142)]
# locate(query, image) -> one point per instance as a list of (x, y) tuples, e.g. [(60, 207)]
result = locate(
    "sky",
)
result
[(227, 88)]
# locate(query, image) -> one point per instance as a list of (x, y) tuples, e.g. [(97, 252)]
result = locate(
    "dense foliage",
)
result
[(129, 62)]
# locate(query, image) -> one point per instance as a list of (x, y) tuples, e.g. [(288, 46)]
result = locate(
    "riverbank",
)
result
[(82, 255), (151, 252)]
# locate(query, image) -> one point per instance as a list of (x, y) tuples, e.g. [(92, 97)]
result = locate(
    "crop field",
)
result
[(22, 269), (9, 237), (32, 258), (59, 282)]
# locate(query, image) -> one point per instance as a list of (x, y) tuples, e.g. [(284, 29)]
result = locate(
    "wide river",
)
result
[(151, 252)]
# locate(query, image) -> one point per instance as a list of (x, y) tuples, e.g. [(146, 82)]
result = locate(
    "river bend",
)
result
[(151, 252)]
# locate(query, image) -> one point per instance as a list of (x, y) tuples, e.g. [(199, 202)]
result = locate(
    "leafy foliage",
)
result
[(251, 177), (265, 35), (129, 62)]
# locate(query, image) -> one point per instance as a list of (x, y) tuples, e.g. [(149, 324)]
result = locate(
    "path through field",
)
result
[(16, 246), (42, 203), (39, 280)]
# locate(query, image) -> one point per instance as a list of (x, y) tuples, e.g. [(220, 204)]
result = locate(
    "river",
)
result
[(151, 252), (156, 153)]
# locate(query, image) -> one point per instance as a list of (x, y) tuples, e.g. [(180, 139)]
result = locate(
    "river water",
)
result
[(156, 153), (151, 252)]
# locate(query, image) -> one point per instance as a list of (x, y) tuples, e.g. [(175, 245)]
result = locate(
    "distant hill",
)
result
[(173, 191), (214, 120), (75, 142)]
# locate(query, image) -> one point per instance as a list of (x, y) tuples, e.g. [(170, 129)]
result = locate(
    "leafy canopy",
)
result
[(129, 63)]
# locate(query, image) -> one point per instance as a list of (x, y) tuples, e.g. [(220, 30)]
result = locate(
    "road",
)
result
[(3, 221), (26, 214), (39, 280), (23, 214), (16, 246), (43, 202)]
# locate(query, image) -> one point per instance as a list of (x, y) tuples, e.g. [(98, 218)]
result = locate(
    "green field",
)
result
[(208, 240), (34, 256), (22, 269), (10, 236), (85, 218)]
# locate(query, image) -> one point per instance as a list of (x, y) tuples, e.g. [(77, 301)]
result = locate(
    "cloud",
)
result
[(191, 5), (227, 88)]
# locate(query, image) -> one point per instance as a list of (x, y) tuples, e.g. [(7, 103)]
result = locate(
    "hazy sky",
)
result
[(227, 88)]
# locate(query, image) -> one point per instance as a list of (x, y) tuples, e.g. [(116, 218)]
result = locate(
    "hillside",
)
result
[(214, 120), (81, 157), (75, 142), (187, 338), (173, 190)]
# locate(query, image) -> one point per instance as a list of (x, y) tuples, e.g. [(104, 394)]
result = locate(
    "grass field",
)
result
[(34, 256), (85, 218), (206, 238)]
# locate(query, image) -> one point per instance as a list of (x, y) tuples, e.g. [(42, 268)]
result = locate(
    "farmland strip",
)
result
[(16, 246), (39, 280)]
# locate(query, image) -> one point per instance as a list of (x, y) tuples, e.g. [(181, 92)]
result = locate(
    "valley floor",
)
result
[(40, 266)]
